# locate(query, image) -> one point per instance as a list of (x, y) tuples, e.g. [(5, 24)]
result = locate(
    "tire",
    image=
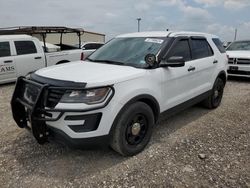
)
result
[(214, 100), (133, 129)]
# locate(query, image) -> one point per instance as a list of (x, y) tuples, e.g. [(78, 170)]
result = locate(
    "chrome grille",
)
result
[(243, 61), (239, 61), (231, 61)]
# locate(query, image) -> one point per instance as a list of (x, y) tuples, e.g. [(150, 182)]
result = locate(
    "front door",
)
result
[(179, 82)]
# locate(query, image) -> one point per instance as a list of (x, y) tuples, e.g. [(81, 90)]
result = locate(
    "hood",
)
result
[(239, 54), (94, 74)]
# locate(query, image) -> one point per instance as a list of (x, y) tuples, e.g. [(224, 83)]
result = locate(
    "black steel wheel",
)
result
[(136, 129), (133, 129), (214, 100)]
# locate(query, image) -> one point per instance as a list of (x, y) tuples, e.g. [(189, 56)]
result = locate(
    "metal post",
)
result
[(138, 19), (235, 34), (79, 40), (61, 39)]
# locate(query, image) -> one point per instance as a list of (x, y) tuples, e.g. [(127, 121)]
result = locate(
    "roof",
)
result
[(165, 34), (9, 37)]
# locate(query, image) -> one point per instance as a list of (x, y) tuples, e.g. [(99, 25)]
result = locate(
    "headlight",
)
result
[(91, 96)]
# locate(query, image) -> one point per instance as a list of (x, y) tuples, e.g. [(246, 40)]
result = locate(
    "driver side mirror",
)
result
[(174, 61)]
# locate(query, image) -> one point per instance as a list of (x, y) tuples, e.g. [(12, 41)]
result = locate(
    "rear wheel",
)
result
[(214, 100), (133, 130)]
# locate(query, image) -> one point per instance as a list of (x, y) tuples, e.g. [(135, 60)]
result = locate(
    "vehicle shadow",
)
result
[(56, 161), (7, 84), (169, 125), (238, 79)]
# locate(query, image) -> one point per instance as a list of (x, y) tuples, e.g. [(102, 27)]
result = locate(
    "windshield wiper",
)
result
[(106, 61)]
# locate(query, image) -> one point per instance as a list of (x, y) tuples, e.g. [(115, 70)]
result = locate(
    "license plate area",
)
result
[(233, 68)]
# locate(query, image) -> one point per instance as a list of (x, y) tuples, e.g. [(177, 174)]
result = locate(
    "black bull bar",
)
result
[(32, 110)]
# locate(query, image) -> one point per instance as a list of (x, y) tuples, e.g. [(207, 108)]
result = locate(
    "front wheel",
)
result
[(214, 100), (133, 130)]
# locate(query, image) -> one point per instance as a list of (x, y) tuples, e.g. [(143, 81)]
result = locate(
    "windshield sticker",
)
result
[(158, 41), (6, 69)]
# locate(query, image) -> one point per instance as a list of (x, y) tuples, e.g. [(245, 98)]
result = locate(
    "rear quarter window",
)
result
[(219, 45)]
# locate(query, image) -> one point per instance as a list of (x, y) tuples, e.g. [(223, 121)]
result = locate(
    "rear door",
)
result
[(7, 62), (29, 57), (204, 62)]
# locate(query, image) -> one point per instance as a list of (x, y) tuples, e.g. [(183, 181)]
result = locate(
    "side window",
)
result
[(200, 48), (5, 49), (92, 46), (181, 48), (88, 46), (219, 45), (25, 47), (96, 46)]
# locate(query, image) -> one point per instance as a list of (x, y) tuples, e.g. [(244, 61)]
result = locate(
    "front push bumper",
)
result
[(29, 110)]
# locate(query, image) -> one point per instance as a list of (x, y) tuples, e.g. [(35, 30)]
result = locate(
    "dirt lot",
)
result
[(195, 148)]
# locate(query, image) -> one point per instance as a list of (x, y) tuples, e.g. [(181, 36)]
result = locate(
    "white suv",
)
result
[(239, 59), (118, 93)]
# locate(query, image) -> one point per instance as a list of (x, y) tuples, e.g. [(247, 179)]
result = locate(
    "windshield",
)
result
[(127, 51), (240, 45)]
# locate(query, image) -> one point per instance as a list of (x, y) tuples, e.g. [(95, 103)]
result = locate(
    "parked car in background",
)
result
[(118, 93), (89, 47), (21, 53), (226, 44), (239, 58)]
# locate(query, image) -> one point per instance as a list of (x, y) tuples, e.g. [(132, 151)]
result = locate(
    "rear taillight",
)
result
[(82, 56)]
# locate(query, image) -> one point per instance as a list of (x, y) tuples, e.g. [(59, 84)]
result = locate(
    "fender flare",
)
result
[(223, 76), (146, 98)]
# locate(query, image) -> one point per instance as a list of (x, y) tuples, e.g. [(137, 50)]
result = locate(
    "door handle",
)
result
[(191, 69), (38, 57), (8, 61), (215, 61)]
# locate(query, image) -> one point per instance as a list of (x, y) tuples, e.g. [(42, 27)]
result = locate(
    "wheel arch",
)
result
[(145, 98), (62, 61), (223, 76)]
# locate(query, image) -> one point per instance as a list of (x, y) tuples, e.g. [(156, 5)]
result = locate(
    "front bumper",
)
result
[(74, 126), (61, 137)]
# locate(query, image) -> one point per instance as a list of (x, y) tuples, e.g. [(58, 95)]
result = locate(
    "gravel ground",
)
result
[(195, 148)]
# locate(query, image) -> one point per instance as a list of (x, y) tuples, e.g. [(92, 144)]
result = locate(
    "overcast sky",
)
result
[(113, 17)]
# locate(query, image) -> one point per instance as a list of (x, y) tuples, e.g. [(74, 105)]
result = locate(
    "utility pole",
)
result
[(138, 20), (235, 34)]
